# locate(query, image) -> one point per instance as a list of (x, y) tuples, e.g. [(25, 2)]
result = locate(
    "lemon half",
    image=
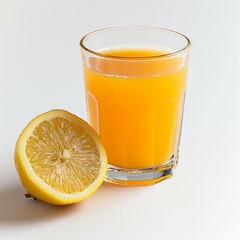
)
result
[(60, 158)]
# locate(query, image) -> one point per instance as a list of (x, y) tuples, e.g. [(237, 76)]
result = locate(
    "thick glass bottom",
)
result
[(141, 176)]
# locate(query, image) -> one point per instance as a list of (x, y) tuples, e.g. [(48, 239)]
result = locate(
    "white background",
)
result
[(40, 69)]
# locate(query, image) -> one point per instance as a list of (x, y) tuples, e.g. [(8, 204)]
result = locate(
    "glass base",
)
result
[(141, 176)]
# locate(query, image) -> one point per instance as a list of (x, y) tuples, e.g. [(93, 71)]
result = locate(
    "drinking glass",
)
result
[(135, 84)]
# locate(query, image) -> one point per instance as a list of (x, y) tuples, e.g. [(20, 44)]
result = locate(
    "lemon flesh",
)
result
[(60, 158)]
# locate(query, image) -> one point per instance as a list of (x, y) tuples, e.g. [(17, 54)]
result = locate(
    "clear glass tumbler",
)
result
[(135, 83)]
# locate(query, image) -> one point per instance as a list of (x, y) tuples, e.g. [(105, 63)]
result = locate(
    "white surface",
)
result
[(40, 69)]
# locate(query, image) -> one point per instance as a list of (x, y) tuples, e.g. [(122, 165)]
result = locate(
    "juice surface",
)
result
[(135, 104)]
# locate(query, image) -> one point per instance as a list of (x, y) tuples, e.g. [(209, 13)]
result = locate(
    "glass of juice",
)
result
[(135, 84)]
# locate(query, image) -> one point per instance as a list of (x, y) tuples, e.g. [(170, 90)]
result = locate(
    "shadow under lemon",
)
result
[(16, 209)]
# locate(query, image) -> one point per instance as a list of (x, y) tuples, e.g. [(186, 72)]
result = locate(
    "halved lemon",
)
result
[(60, 158)]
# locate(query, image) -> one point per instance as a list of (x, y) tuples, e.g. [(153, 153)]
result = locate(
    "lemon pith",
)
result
[(60, 158)]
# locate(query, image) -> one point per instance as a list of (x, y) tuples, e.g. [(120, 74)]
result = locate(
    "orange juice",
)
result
[(135, 102)]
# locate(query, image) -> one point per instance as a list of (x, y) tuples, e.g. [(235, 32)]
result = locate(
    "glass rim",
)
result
[(174, 53)]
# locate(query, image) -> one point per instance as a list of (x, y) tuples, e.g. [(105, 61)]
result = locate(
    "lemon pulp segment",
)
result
[(63, 155)]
